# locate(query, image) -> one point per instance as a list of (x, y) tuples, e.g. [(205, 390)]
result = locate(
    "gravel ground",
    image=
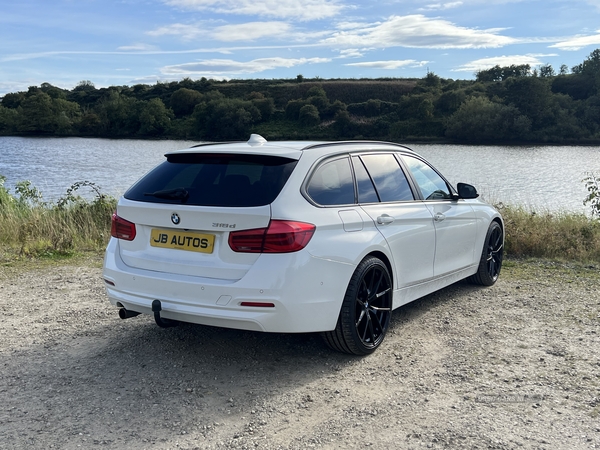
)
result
[(512, 366)]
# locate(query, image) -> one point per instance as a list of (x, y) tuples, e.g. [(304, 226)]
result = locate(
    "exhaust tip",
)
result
[(126, 314)]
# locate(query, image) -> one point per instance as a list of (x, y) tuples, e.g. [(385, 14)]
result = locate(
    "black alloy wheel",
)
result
[(366, 310)]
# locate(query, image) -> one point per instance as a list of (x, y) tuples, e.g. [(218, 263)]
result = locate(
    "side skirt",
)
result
[(408, 294)]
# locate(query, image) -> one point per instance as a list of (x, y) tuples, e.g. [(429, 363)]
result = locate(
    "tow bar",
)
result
[(161, 322)]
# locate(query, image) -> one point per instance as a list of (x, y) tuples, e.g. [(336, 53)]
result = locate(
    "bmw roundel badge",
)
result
[(175, 218)]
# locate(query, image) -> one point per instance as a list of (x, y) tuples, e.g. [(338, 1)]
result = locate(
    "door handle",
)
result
[(439, 217), (384, 219)]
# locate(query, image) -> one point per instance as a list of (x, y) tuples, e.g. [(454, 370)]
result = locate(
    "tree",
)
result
[(481, 120), (13, 100), (67, 115), (426, 109), (292, 109), (36, 113), (531, 96), (309, 116), (432, 80), (266, 106), (225, 118), (450, 101), (317, 97), (493, 74), (591, 65), (155, 119), (184, 100), (343, 124), (8, 120), (119, 114), (498, 73), (546, 71)]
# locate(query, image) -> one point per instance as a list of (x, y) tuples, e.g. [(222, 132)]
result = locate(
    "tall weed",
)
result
[(31, 227), (563, 236)]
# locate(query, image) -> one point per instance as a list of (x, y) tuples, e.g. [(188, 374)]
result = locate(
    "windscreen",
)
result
[(214, 180)]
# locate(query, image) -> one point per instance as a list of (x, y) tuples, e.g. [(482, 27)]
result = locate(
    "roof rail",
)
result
[(363, 142)]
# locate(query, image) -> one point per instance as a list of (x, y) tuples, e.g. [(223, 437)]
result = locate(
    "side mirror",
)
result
[(466, 191)]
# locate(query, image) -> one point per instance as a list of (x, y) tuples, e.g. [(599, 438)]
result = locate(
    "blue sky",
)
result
[(127, 42)]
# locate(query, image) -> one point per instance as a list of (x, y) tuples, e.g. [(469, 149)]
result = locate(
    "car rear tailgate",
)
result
[(189, 240)]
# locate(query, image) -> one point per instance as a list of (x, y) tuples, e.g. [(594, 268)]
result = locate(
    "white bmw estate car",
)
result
[(295, 237)]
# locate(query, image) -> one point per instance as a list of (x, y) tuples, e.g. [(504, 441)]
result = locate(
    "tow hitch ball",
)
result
[(161, 322)]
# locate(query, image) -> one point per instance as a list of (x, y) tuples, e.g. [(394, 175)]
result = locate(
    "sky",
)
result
[(128, 42)]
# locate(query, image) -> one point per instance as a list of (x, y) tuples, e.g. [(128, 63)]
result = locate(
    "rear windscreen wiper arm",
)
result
[(170, 194)]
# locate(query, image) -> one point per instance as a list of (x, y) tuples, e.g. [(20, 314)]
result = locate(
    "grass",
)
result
[(554, 236), (30, 228)]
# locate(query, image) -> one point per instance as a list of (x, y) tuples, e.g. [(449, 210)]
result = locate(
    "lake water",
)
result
[(542, 178)]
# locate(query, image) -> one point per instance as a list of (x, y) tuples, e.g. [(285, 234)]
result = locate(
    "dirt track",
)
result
[(512, 366)]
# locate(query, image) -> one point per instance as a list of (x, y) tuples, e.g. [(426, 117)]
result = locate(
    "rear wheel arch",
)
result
[(365, 313), (383, 257)]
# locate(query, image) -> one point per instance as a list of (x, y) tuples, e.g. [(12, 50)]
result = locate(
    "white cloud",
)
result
[(578, 42), (297, 9), (418, 31), (248, 31), (350, 25), (502, 61), (228, 66), (251, 31), (389, 65), (186, 32), (351, 53), (441, 6), (137, 48)]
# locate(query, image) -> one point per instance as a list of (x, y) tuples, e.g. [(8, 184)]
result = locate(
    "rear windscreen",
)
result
[(214, 180)]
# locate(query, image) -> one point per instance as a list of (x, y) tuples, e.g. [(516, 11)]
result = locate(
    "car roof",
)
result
[(291, 149)]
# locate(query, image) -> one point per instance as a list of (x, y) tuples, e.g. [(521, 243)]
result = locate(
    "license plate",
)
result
[(182, 240)]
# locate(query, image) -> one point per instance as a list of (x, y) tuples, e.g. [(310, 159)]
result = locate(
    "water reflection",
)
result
[(541, 177)]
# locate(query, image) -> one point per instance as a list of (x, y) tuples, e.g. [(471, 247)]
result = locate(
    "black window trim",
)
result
[(416, 191)]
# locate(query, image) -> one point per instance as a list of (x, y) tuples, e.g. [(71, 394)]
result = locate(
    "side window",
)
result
[(433, 186), (332, 184), (390, 181), (366, 190)]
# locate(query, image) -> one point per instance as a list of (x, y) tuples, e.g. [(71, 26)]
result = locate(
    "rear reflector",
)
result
[(122, 229), (281, 236), (258, 304)]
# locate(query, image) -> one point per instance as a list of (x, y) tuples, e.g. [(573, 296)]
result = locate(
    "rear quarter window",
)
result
[(229, 180), (332, 183)]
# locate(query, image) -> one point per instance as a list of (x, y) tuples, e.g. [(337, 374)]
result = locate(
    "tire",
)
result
[(491, 257), (366, 310)]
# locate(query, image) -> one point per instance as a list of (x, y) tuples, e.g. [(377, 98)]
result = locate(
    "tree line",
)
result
[(503, 104)]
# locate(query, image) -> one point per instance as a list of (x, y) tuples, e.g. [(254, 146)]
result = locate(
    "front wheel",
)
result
[(366, 310), (491, 257)]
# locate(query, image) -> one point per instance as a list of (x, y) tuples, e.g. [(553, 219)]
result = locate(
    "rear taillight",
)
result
[(281, 236), (122, 229)]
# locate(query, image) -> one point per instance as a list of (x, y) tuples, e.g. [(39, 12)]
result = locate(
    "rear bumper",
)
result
[(306, 292)]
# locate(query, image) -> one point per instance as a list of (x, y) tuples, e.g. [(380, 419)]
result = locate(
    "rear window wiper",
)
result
[(170, 194)]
